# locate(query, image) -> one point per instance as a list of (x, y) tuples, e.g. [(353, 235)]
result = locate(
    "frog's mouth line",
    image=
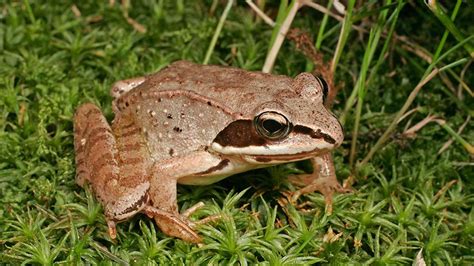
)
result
[(242, 133), (286, 158)]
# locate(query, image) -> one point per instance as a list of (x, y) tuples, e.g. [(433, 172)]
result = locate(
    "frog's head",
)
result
[(293, 126)]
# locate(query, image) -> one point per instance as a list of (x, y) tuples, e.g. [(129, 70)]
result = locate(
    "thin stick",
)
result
[(411, 132), (400, 113), (324, 22), (217, 32), (285, 26), (437, 10), (461, 82), (346, 25), (450, 141), (408, 113), (322, 9), (326, 11), (456, 136), (260, 13)]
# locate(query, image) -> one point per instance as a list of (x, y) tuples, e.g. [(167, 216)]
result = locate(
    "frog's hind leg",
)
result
[(121, 191), (95, 147), (323, 179)]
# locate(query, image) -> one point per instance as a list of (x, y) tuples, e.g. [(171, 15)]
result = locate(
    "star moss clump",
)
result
[(413, 193)]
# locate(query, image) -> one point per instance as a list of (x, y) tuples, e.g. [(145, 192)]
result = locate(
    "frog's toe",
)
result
[(112, 229), (173, 224), (206, 220), (193, 209), (326, 186)]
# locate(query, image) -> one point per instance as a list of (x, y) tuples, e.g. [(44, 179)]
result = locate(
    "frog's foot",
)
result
[(178, 225), (193, 209), (175, 225), (112, 229), (206, 220), (326, 185)]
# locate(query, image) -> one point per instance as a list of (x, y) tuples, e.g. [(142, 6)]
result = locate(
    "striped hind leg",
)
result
[(100, 163)]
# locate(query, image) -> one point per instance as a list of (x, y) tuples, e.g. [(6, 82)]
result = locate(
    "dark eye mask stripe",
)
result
[(240, 133), (314, 134)]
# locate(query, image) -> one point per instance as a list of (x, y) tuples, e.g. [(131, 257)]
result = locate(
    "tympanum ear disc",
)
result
[(306, 85)]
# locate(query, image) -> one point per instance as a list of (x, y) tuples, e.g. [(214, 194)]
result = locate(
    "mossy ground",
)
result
[(407, 198)]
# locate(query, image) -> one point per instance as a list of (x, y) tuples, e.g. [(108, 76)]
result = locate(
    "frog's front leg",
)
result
[(163, 192), (323, 179)]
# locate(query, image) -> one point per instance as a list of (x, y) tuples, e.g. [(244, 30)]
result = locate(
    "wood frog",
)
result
[(195, 125)]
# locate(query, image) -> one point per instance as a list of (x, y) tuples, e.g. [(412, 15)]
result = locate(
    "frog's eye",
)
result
[(272, 125), (325, 87)]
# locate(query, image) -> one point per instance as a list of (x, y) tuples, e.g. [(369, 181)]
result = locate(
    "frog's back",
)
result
[(183, 107), (235, 88)]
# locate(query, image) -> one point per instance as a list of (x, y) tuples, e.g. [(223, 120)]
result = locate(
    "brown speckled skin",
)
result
[(164, 128)]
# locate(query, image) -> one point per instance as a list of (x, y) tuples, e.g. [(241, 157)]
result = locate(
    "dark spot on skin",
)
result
[(240, 133), (219, 166), (314, 134), (159, 99), (177, 129), (171, 152), (209, 103), (126, 103), (169, 116)]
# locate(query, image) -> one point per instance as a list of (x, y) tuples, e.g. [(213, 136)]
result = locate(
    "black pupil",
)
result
[(272, 126)]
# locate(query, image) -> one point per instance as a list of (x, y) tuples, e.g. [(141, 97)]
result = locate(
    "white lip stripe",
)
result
[(265, 150)]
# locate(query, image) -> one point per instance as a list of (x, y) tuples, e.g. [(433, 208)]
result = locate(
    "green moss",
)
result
[(407, 198)]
